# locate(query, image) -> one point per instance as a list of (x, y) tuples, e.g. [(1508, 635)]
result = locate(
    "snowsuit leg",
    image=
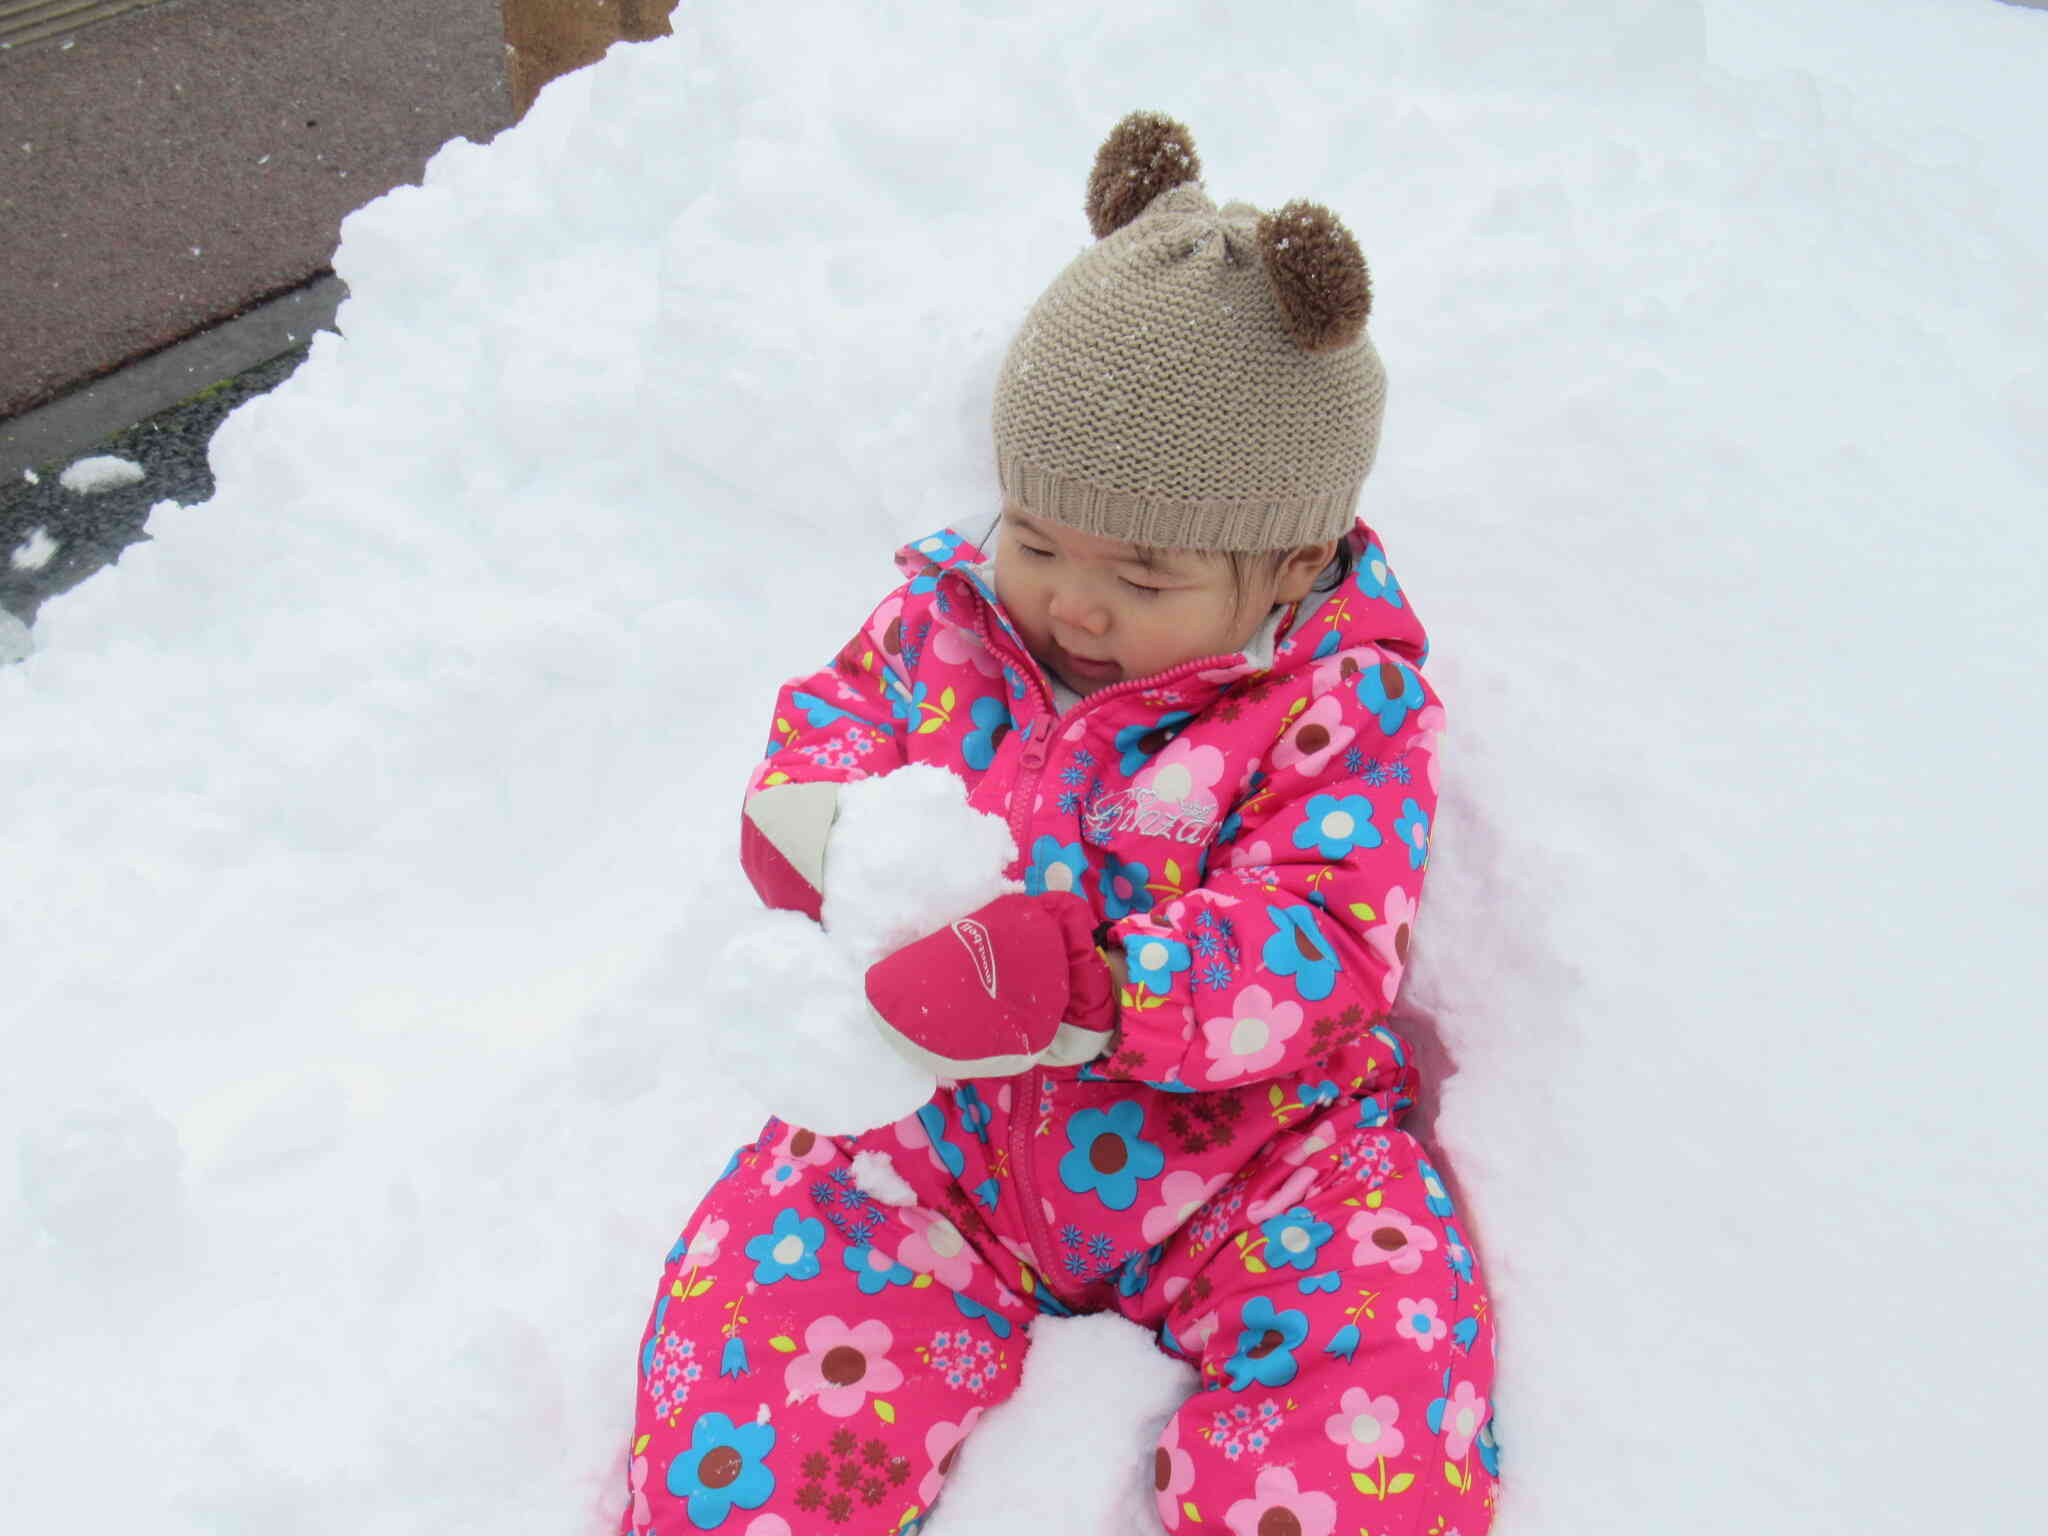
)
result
[(816, 1354), (1344, 1340)]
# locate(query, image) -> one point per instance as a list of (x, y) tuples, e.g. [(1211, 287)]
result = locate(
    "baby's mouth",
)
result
[(1084, 669)]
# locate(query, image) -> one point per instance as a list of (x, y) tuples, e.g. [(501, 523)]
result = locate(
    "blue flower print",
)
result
[(1373, 1113), (1466, 1333), (877, 1271), (1434, 1195), (1140, 741), (790, 1251), (1309, 1094), (1123, 888), (992, 723), (1345, 1342), (1056, 866), (1374, 579), (974, 1111), (1327, 646), (1136, 1274), (1413, 830), (1108, 1159), (1489, 1449), (907, 704), (933, 1119), (971, 1310), (726, 1464), (1153, 961), (816, 710), (1298, 949), (733, 1360), (1457, 1254), (1390, 690), (1266, 1346), (939, 547), (1295, 1237), (1329, 1280), (1337, 824)]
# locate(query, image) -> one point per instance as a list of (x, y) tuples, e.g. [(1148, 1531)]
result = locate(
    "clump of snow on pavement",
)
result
[(101, 472), (370, 873), (34, 552)]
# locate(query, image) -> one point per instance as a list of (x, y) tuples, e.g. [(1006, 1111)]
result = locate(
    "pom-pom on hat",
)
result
[(1199, 378)]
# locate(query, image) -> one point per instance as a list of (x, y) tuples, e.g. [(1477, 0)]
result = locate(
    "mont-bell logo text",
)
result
[(979, 949)]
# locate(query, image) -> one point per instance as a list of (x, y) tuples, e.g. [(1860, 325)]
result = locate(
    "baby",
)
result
[(1187, 677)]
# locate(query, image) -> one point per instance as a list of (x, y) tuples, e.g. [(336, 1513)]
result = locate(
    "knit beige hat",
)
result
[(1198, 378)]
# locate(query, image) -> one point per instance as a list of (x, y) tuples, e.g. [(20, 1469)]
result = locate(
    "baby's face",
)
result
[(1096, 611)]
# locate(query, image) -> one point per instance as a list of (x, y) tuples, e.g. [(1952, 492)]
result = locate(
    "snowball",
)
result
[(784, 1005), (103, 472)]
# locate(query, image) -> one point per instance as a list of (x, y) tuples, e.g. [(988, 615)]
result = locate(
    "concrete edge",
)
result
[(45, 435)]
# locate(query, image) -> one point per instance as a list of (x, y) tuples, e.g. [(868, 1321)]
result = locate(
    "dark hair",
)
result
[(1342, 562)]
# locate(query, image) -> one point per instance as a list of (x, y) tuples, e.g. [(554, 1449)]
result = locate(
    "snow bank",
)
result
[(370, 834)]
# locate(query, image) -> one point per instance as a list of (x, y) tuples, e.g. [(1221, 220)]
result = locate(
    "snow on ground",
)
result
[(367, 833), (101, 472)]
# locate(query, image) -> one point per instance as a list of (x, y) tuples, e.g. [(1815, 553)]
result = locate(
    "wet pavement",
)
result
[(51, 538)]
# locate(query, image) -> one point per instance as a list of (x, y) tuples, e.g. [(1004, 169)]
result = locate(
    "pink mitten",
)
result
[(1012, 984)]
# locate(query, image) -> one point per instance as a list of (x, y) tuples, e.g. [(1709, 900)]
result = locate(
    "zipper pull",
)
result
[(1036, 744)]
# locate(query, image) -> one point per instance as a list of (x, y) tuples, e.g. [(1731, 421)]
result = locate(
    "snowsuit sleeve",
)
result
[(1295, 942), (841, 723)]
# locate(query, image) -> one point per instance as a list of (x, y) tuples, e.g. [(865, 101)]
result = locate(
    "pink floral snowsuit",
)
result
[(1230, 1175)]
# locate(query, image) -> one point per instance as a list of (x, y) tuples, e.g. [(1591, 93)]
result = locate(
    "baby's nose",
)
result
[(1078, 611)]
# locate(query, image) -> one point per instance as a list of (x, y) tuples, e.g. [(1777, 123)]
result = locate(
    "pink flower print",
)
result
[(1242, 667), (1419, 1322), (766, 1525), (703, 1248), (1429, 735), (1364, 1426), (1284, 1198), (1173, 1474), (796, 1150), (643, 1515), (1464, 1417), (1181, 1194), (1387, 1237), (1317, 735), (1319, 1140), (942, 1444), (1251, 1037), (1338, 671), (936, 1248), (1196, 1336), (1275, 1493), (1390, 939), (962, 648), (1256, 856), (840, 1366), (1181, 781)]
